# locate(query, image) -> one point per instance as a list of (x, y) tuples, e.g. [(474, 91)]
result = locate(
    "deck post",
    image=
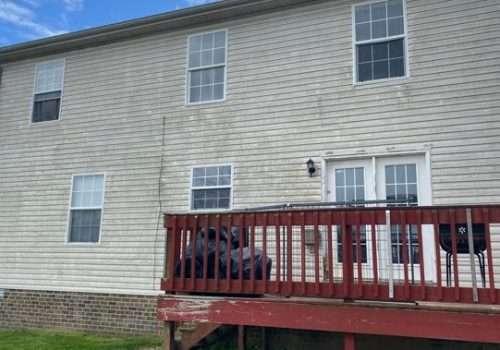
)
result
[(349, 343), (169, 335), (241, 338)]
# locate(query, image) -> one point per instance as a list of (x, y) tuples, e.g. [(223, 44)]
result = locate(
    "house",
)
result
[(219, 108)]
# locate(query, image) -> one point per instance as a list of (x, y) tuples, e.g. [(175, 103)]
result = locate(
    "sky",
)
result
[(25, 20)]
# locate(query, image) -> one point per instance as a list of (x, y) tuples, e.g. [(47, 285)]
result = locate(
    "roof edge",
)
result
[(193, 16)]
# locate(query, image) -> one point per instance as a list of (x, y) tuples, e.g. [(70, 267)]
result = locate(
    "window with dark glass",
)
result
[(380, 40), (48, 91), (211, 188), (87, 197)]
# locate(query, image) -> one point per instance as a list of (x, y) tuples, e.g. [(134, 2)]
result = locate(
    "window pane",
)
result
[(396, 26), (397, 67), (211, 198), (381, 70), (219, 75), (211, 181), (87, 191), (218, 92), (207, 41), (206, 93), (85, 226), (365, 53), (225, 180), (395, 8), (195, 43), (396, 48), (196, 78), (46, 109), (350, 194), (411, 173), (206, 58), (220, 39), (340, 194), (199, 172), (365, 71), (380, 51), (339, 177), (379, 11), (360, 176), (49, 77), (207, 77), (389, 174), (349, 175), (195, 95), (219, 56), (363, 31), (379, 29), (362, 13), (198, 181), (225, 170), (195, 59), (400, 174)]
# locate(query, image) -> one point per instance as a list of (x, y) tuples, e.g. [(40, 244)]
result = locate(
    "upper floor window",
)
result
[(49, 77), (211, 187), (207, 67), (380, 40), (87, 199)]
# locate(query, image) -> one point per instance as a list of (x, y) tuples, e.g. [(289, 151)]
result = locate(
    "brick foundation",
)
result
[(99, 313)]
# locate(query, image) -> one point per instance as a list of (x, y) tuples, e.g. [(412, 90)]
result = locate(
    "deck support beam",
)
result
[(473, 325), (349, 343), (169, 335)]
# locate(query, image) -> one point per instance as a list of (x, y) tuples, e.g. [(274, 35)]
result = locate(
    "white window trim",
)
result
[(404, 36), (190, 208), (70, 208), (188, 70), (37, 65)]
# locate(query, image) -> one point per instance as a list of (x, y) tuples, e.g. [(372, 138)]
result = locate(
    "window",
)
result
[(87, 197), (350, 187), (401, 185), (49, 78), (380, 40), (207, 67), (211, 188)]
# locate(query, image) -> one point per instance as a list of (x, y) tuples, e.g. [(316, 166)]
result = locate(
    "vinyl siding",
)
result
[(290, 97)]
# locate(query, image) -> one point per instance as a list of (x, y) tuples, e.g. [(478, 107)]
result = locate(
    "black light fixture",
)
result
[(311, 168)]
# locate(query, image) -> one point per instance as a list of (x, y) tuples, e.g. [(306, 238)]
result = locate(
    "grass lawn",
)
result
[(52, 340)]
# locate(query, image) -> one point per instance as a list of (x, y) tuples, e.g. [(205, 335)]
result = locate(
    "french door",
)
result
[(405, 179)]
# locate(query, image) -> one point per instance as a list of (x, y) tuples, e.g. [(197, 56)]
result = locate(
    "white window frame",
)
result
[(189, 70), (355, 44), (191, 188), (37, 65), (70, 208)]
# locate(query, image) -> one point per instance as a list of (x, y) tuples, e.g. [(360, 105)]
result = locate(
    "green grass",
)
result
[(52, 340)]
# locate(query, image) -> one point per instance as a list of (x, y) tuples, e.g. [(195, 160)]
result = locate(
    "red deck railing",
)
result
[(441, 254)]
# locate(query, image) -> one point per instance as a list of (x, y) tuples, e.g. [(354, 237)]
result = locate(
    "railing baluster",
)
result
[(217, 251), (194, 233), (229, 231), (421, 254), (491, 273), (404, 235), (289, 256), (454, 249), (373, 229), (252, 252), (347, 270), (437, 247), (316, 254), (184, 251), (241, 240), (205, 254), (303, 252), (330, 255), (359, 256), (264, 253), (171, 244), (278, 251)]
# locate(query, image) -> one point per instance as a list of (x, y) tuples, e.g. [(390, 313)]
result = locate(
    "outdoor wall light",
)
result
[(311, 168)]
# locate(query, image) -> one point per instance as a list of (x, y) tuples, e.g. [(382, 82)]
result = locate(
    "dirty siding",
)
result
[(290, 96)]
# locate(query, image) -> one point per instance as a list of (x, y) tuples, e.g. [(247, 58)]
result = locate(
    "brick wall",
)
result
[(101, 313)]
